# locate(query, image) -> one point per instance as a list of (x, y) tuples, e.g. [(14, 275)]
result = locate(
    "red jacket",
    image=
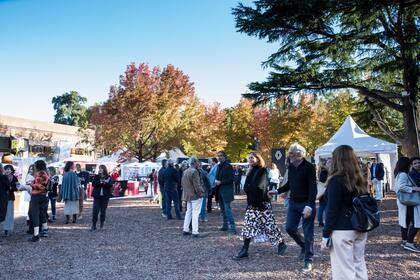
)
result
[(40, 183)]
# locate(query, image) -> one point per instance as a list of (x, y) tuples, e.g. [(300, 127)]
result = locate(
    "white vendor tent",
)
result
[(134, 170), (363, 144)]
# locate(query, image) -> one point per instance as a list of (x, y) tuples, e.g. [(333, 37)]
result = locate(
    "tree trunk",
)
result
[(410, 145)]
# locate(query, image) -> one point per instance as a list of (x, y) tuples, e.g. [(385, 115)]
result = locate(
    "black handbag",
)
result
[(365, 215)]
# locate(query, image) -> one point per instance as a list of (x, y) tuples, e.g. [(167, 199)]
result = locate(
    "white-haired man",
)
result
[(193, 194), (303, 189)]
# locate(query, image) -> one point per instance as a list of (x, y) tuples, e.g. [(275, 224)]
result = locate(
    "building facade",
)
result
[(26, 138)]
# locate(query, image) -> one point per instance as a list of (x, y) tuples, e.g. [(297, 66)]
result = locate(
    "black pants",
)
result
[(410, 231), (38, 209), (99, 205), (209, 202)]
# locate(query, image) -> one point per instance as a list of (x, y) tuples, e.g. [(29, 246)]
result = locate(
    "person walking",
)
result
[(84, 180), (171, 181), (39, 201), (323, 176), (53, 193), (193, 195), (259, 219), (102, 184), (212, 171), (346, 245), (9, 223), (205, 183), (224, 181), (70, 192), (4, 196), (301, 183), (408, 216), (377, 174), (161, 182)]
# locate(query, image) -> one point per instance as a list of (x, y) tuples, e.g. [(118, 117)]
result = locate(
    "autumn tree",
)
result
[(70, 109), (239, 136), (143, 111), (201, 130), (371, 47)]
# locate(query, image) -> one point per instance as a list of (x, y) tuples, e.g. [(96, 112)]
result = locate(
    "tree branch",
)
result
[(382, 123)]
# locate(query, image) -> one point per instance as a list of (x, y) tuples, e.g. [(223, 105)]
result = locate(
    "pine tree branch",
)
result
[(382, 123)]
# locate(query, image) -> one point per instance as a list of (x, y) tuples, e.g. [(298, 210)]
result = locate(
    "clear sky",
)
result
[(48, 47)]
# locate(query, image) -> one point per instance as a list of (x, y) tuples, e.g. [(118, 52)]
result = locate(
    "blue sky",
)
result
[(50, 47)]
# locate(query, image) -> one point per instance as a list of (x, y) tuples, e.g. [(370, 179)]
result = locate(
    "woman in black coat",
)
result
[(9, 223), (259, 219), (4, 188), (102, 185)]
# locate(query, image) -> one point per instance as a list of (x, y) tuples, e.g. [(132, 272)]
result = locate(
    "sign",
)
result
[(278, 156)]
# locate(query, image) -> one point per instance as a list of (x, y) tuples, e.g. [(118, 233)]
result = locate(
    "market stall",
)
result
[(363, 144)]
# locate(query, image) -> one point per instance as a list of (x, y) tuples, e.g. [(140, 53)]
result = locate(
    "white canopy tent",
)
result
[(133, 170), (363, 144)]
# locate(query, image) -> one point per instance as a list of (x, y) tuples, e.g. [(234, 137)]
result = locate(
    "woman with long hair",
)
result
[(408, 216), (70, 192), (348, 245), (9, 223), (259, 219), (39, 201), (102, 185)]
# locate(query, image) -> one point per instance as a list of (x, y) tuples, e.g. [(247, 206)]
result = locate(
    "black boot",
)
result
[(243, 253), (74, 218), (102, 225), (281, 249), (93, 228), (67, 219)]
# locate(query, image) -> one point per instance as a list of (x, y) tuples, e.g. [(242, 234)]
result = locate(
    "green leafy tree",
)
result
[(70, 109), (239, 136), (371, 47)]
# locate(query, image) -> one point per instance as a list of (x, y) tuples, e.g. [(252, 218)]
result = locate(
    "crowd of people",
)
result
[(43, 187), (192, 187)]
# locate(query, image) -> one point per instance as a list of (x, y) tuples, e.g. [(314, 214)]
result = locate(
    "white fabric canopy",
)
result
[(363, 144)]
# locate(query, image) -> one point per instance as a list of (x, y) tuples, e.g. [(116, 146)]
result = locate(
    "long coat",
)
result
[(4, 188), (405, 185), (225, 175)]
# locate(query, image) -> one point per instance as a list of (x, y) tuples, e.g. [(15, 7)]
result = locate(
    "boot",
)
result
[(102, 225), (74, 218), (93, 228), (281, 249), (67, 219), (243, 253)]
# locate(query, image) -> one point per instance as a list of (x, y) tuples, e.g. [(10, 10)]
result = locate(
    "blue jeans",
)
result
[(294, 214), (163, 200), (203, 208), (52, 200), (227, 215), (321, 209), (172, 195)]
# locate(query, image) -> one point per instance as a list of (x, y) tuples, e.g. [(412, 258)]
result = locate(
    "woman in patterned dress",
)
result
[(259, 220)]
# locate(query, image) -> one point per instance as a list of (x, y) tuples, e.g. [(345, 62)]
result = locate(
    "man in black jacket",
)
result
[(4, 188), (302, 186), (162, 187), (171, 181), (377, 172), (224, 182)]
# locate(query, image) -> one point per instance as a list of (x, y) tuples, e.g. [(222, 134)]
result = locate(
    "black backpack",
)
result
[(365, 214)]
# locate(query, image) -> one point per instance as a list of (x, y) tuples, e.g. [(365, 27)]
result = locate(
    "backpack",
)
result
[(365, 215), (52, 181)]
